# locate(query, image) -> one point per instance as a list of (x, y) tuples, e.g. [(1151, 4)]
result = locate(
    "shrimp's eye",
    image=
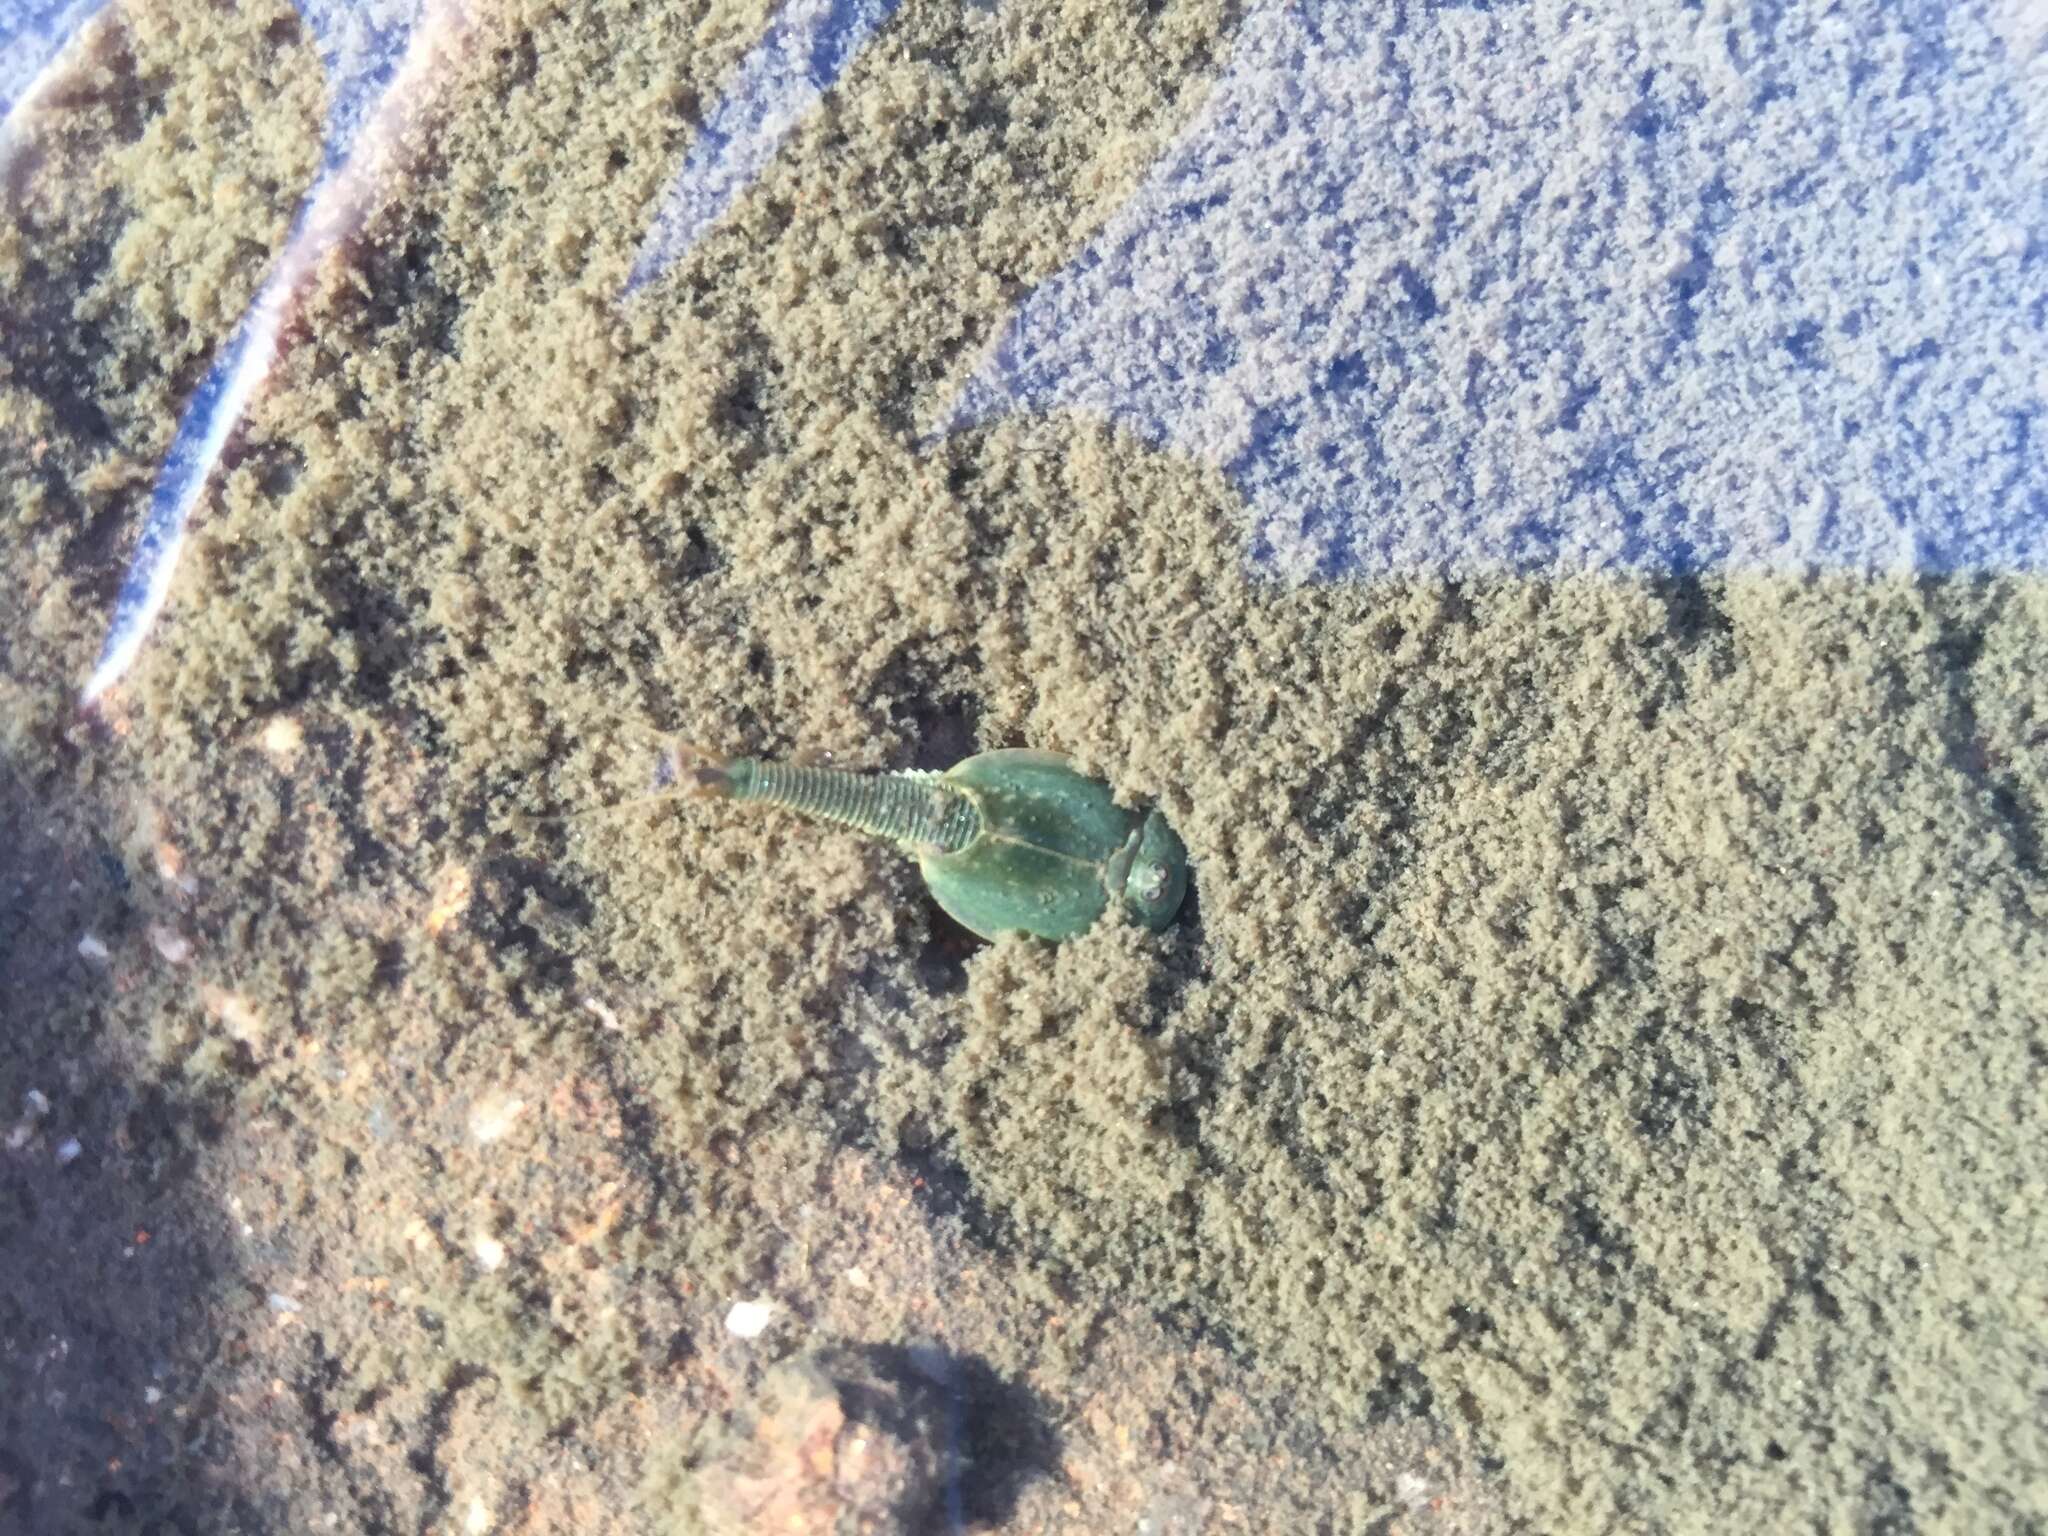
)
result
[(1158, 877)]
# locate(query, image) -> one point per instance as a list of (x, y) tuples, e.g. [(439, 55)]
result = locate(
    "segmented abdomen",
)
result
[(917, 809)]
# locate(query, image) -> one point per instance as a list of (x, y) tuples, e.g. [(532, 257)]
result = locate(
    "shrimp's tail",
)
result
[(684, 772)]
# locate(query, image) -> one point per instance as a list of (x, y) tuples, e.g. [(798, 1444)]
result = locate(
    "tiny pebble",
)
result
[(170, 868), (857, 1277), (749, 1319), (282, 739), (152, 1395), (493, 1116), (171, 944), (489, 1252), (279, 1302), (68, 1150), (92, 948), (240, 1016), (35, 1104), (451, 898), (478, 1520)]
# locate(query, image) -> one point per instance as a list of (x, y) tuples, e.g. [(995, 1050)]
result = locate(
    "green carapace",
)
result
[(1009, 842)]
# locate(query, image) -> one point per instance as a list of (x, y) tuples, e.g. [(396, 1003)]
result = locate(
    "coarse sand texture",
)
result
[(1596, 1080)]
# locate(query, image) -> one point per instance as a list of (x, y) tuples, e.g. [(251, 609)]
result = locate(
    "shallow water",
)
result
[(1596, 1083)]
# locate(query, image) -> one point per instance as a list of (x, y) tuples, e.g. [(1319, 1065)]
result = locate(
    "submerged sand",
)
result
[(1598, 1085)]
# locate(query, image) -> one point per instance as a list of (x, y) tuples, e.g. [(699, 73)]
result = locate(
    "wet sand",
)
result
[(1598, 1085)]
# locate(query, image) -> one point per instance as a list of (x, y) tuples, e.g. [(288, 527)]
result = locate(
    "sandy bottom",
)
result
[(1598, 1084)]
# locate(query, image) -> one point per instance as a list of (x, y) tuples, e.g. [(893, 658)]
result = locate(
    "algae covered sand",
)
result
[(1597, 1086)]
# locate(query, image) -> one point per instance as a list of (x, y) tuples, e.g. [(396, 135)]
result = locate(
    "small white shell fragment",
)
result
[(279, 1302), (68, 1151), (92, 947), (857, 1277), (749, 1319), (490, 1253), (34, 1105), (478, 1519), (493, 1115), (152, 1395), (282, 739), (171, 944)]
